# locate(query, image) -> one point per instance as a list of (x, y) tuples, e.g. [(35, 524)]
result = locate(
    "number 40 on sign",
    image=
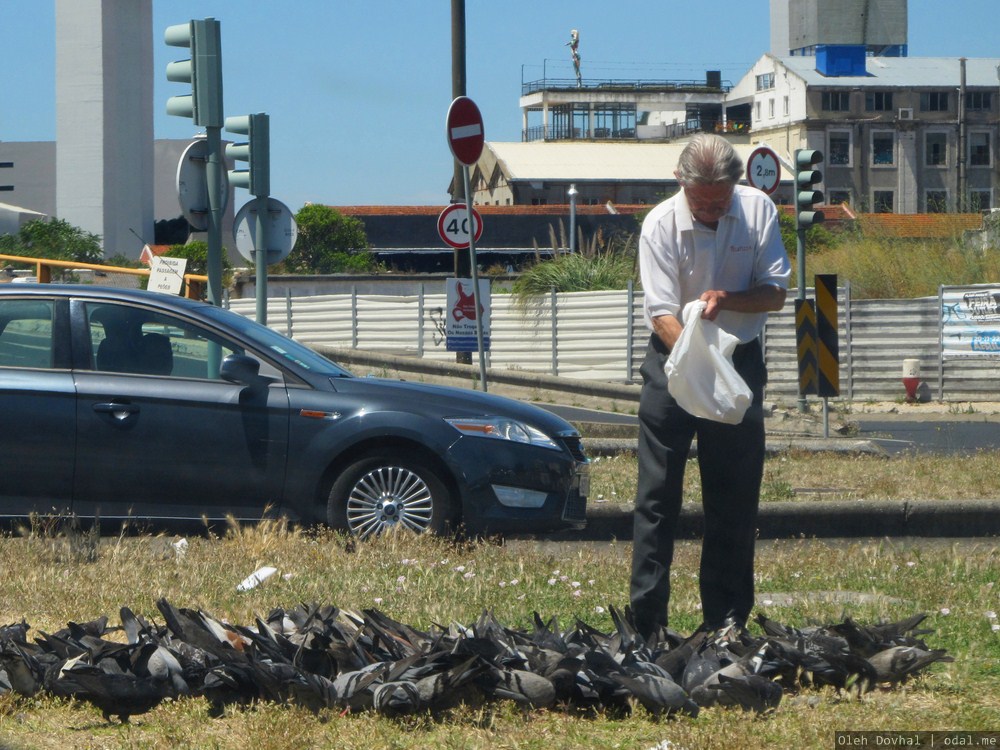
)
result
[(453, 225)]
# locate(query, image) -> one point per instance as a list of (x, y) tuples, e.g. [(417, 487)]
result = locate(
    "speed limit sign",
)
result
[(453, 225)]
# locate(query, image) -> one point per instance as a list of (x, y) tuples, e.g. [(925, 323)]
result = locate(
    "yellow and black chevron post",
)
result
[(805, 339), (827, 349)]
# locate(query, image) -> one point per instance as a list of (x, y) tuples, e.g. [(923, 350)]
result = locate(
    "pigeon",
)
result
[(660, 696), (898, 663), (750, 692), (523, 687), (121, 695)]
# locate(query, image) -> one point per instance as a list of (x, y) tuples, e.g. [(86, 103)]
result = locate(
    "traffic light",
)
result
[(806, 196), (203, 71), (256, 151)]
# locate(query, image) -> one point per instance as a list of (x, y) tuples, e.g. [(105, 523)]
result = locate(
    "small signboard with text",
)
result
[(166, 275), (460, 326)]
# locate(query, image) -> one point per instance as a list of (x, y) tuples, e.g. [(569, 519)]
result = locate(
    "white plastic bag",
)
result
[(700, 372)]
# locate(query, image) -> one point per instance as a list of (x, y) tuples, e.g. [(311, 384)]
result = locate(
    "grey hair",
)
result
[(708, 159)]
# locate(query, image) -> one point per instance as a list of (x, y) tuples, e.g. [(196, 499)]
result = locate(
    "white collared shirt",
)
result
[(679, 258)]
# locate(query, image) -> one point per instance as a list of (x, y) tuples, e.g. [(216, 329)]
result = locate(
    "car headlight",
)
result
[(501, 428)]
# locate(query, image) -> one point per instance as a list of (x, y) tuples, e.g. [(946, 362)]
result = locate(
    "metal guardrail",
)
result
[(194, 284)]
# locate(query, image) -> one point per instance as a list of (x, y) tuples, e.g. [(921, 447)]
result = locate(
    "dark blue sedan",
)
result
[(123, 404)]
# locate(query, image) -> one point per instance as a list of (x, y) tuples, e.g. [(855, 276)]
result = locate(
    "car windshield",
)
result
[(279, 345)]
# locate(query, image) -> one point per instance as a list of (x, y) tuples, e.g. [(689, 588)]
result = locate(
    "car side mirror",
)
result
[(239, 368)]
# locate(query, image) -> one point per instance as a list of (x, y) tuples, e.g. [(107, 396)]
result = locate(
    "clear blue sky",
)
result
[(358, 91)]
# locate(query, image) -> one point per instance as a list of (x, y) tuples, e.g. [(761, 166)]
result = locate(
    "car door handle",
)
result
[(118, 410)]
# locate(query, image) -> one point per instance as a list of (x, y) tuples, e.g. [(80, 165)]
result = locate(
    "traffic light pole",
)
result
[(260, 260), (215, 170)]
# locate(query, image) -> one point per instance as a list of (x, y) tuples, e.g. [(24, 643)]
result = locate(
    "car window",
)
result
[(132, 340), (26, 333)]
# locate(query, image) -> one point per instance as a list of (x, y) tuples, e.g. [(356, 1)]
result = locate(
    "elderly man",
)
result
[(719, 242)]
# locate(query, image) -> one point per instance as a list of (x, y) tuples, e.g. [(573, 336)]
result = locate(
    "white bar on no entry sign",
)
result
[(466, 131)]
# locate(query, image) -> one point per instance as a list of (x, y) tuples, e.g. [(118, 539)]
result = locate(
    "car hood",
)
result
[(447, 401)]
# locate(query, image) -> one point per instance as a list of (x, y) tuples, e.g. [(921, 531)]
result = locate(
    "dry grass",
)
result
[(826, 476), (426, 580)]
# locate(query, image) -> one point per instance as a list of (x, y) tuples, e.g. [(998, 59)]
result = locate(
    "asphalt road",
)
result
[(936, 436)]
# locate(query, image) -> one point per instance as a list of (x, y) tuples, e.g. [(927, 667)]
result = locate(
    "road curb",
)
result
[(824, 519), (775, 445)]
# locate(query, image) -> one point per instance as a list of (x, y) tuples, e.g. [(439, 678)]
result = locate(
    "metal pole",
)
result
[(800, 261), (217, 195), (573, 192), (475, 277), (260, 251), (215, 167), (458, 87)]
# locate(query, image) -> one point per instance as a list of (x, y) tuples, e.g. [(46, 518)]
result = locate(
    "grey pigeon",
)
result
[(898, 663), (751, 692), (658, 695)]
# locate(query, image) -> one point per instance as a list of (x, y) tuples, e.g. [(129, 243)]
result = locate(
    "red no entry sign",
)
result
[(465, 130)]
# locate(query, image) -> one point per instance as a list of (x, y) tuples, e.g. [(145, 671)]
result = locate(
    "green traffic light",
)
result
[(806, 196)]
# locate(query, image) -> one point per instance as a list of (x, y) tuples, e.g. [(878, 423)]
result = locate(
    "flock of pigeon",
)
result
[(322, 657)]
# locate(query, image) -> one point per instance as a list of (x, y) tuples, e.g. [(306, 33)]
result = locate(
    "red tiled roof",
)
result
[(920, 226), (149, 251)]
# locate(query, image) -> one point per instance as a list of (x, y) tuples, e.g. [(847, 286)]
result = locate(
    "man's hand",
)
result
[(713, 299)]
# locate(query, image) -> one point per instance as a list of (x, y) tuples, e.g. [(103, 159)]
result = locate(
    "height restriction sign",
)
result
[(764, 170)]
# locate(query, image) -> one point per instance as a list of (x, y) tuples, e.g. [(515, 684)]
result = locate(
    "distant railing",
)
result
[(615, 84), (668, 132)]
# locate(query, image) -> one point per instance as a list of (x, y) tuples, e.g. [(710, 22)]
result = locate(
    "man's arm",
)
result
[(668, 328), (763, 298)]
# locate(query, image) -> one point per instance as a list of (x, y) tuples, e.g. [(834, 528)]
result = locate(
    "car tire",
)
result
[(378, 493)]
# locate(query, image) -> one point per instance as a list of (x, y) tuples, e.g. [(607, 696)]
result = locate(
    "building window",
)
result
[(882, 201), (980, 200), (784, 106), (765, 81), (979, 149), (978, 101), (878, 101), (883, 148), (937, 201), (836, 101), (839, 197), (770, 108), (756, 110), (934, 101), (936, 149), (839, 148)]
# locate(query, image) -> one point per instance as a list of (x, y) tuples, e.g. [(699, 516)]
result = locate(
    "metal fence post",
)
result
[(848, 334), (288, 311), (420, 321), (354, 316), (629, 332), (555, 332), (940, 357)]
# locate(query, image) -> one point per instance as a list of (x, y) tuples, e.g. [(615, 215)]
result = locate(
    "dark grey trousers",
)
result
[(731, 462)]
